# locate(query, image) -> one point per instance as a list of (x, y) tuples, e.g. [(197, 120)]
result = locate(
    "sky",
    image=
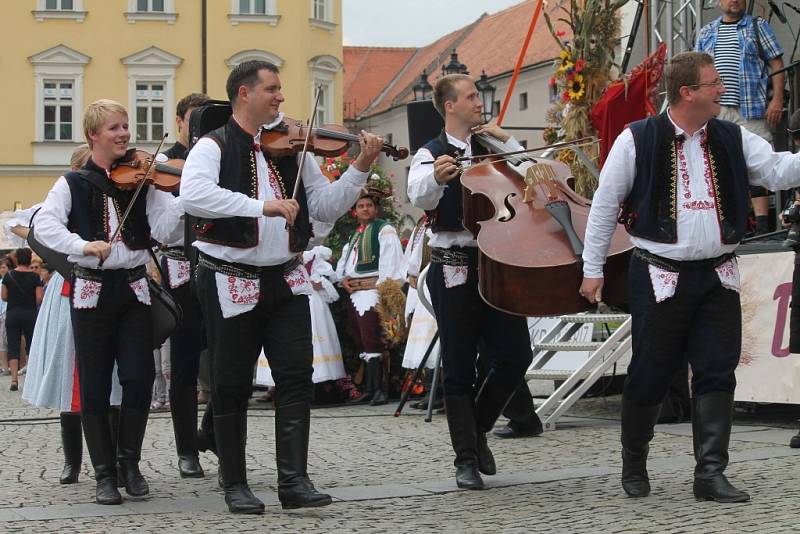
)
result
[(410, 22)]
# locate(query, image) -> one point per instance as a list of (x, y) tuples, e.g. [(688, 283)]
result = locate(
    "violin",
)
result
[(138, 166), (530, 224), (329, 140)]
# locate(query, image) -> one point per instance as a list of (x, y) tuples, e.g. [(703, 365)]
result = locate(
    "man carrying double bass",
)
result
[(251, 286), (463, 318)]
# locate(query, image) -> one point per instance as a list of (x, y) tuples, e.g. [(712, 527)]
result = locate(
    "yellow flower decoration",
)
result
[(576, 87), (565, 66), (564, 54)]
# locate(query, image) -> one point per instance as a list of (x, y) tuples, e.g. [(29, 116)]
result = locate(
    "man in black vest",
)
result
[(110, 297), (682, 180), (464, 320), (251, 286), (188, 340)]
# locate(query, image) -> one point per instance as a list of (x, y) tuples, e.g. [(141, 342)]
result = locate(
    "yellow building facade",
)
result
[(61, 55)]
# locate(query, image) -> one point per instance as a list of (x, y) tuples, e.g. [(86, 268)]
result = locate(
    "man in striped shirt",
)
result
[(745, 50)]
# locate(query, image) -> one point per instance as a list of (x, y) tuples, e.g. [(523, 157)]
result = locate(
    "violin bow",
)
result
[(138, 190), (581, 141), (318, 92)]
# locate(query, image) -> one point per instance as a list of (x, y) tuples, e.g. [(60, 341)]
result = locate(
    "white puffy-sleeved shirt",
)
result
[(697, 224), (424, 191), (164, 214), (203, 197)]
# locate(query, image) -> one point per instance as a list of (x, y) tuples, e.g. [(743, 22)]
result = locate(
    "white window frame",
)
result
[(133, 118), (59, 63), (168, 15), (58, 105), (323, 70), (77, 13), (247, 55), (325, 23), (271, 17), (152, 65)]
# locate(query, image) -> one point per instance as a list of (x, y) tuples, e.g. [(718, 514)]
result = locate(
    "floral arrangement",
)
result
[(582, 71)]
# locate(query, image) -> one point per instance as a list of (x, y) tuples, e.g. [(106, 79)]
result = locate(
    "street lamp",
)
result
[(422, 88), (454, 67), (486, 91)]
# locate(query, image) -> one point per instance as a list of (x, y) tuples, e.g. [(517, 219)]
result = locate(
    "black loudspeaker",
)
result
[(424, 123)]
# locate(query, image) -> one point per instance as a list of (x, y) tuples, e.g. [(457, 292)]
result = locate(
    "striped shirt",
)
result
[(727, 56)]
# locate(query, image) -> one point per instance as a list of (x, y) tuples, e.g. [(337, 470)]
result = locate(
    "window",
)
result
[(322, 14), (58, 104), (254, 11), (59, 9), (150, 5), (150, 111), (323, 73), (324, 107), (495, 108), (523, 101), (247, 55), (158, 10), (553, 93)]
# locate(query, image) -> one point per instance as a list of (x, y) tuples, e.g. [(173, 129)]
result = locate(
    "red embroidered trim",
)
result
[(699, 205)]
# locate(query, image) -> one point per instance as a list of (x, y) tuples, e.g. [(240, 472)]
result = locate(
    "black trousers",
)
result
[(280, 324), (465, 321), (119, 329), (702, 321), (794, 309), (20, 321), (188, 340)]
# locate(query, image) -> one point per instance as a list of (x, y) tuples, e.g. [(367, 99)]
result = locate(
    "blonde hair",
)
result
[(79, 157), (96, 113), (444, 90)]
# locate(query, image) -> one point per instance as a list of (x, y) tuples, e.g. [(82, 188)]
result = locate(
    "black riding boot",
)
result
[(292, 428), (113, 428), (132, 424), (490, 402), (184, 421), (380, 394), (711, 428), (72, 442), (205, 434), (521, 412), (231, 434), (637, 431), (98, 442), (460, 410)]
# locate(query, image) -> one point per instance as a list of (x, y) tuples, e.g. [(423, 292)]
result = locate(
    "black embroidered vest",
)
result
[(238, 173), (651, 209), (87, 217), (449, 213)]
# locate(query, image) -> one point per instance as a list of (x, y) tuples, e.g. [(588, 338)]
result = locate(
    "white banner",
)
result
[(767, 372)]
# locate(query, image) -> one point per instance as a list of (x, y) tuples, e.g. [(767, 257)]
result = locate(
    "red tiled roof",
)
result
[(491, 43), (367, 70)]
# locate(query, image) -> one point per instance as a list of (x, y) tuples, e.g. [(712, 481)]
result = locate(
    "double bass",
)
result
[(530, 226)]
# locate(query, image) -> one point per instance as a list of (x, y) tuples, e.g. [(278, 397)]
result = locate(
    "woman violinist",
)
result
[(463, 318), (110, 299)]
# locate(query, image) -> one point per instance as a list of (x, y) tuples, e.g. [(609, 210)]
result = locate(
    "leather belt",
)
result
[(96, 275), (675, 266), (448, 256), (362, 284), (174, 253), (242, 270)]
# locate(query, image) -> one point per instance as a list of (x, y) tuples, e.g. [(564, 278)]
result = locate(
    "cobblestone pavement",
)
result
[(395, 475)]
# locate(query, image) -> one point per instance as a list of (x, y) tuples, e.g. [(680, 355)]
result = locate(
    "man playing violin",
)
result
[(682, 179), (252, 289), (188, 340), (464, 320), (110, 298)]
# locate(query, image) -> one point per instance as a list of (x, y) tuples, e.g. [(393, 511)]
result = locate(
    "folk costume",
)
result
[(685, 203), (372, 256), (254, 292), (110, 308), (464, 320), (328, 364), (185, 345), (423, 324)]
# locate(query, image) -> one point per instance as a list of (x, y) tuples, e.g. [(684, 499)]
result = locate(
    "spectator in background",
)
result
[(5, 266)]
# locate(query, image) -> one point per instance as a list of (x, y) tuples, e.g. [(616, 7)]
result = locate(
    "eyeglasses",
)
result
[(717, 83)]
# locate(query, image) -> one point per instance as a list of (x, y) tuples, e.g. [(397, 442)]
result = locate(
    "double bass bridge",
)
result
[(539, 174)]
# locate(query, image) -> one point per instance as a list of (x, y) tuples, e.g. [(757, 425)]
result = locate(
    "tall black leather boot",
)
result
[(72, 442), (490, 402), (369, 387), (637, 431), (380, 389), (460, 410), (184, 421), (132, 425), (711, 428), (231, 438), (98, 442), (205, 434), (113, 428), (521, 412), (292, 428)]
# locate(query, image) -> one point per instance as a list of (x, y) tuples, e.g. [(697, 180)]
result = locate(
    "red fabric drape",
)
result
[(623, 103)]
